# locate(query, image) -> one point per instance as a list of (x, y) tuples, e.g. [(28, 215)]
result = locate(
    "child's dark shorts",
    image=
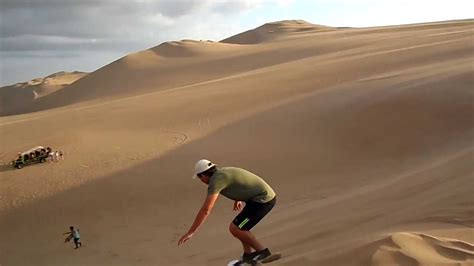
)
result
[(252, 213), (77, 240)]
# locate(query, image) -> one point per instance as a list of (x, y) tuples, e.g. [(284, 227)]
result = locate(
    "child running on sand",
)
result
[(73, 234)]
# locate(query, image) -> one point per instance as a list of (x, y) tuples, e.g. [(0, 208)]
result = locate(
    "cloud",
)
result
[(177, 8), (232, 6), (86, 18), (58, 43)]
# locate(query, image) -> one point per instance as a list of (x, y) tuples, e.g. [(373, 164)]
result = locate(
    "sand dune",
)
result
[(421, 249), (187, 48), (22, 95), (276, 31), (365, 134)]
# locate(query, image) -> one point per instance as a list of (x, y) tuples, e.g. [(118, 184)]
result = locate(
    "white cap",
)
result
[(202, 166)]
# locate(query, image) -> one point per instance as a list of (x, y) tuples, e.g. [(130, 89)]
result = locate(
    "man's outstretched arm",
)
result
[(200, 217)]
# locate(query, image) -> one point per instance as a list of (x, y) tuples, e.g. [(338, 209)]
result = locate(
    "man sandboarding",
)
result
[(241, 186)]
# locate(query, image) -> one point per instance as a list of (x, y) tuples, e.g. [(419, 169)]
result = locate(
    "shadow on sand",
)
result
[(5, 167)]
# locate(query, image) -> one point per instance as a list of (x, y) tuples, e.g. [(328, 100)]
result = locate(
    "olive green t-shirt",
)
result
[(239, 184)]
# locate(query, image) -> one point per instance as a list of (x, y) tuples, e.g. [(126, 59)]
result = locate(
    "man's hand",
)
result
[(184, 238), (238, 205), (200, 217)]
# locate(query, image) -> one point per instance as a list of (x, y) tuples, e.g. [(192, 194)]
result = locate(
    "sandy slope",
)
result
[(22, 95), (422, 249), (365, 134)]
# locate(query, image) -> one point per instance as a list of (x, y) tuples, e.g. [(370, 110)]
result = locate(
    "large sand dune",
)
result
[(365, 134)]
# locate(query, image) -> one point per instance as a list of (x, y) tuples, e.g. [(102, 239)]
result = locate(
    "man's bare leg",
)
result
[(247, 249), (247, 238)]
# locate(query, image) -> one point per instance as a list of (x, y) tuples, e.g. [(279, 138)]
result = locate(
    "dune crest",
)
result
[(275, 31), (403, 248), (187, 48), (43, 86), (56, 82)]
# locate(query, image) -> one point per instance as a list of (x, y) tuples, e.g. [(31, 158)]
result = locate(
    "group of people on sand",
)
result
[(55, 156)]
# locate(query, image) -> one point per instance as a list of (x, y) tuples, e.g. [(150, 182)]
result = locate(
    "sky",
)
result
[(42, 37)]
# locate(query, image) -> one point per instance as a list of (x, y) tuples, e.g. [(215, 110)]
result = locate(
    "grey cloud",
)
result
[(30, 4), (90, 18), (93, 20), (230, 6), (14, 55), (177, 8), (46, 43), (60, 4), (27, 25), (167, 8), (24, 26)]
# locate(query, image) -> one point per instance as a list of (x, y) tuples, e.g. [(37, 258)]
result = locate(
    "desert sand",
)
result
[(366, 135)]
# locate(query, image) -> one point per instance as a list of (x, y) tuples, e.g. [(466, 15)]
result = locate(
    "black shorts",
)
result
[(252, 213)]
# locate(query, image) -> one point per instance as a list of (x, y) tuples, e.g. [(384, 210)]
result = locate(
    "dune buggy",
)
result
[(34, 155)]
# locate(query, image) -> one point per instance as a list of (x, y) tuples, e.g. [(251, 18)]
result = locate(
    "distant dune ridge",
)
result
[(275, 31), (366, 135), (186, 48), (22, 95)]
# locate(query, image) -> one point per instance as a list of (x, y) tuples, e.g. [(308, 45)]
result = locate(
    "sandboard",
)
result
[(233, 262), (271, 258), (240, 263), (68, 238)]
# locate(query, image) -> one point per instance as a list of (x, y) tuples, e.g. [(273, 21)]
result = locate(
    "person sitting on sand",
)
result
[(241, 186), (74, 234)]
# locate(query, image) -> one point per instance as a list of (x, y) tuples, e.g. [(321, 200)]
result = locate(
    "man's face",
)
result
[(204, 179)]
